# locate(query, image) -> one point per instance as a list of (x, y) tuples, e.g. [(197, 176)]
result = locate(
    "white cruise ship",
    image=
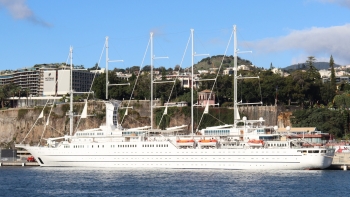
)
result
[(247, 144), (110, 146)]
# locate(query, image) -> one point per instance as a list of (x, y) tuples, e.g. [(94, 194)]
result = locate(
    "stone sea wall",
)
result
[(16, 125)]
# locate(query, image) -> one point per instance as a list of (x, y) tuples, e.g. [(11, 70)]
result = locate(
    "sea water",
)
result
[(45, 181)]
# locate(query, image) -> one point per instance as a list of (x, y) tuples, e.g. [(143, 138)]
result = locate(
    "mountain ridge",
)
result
[(302, 66)]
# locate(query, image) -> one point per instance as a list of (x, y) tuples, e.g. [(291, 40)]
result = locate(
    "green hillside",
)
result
[(215, 62)]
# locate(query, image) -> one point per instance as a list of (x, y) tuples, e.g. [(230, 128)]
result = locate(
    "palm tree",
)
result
[(12, 90), (26, 92), (17, 89), (2, 96)]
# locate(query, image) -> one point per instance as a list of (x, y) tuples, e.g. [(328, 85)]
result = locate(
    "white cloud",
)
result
[(317, 41), (345, 3), (19, 10)]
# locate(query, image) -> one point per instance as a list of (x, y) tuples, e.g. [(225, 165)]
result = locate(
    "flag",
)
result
[(206, 109), (41, 114), (165, 111), (236, 114), (84, 113)]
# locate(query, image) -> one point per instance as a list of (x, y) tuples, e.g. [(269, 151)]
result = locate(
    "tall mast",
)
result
[(235, 75), (192, 114), (107, 81), (151, 34), (152, 81), (71, 92), (235, 52), (192, 79)]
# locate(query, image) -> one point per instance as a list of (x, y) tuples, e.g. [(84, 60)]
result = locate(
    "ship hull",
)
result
[(171, 157)]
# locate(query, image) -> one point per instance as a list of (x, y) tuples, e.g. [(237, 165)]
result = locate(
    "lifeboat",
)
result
[(208, 142), (185, 142), (256, 142)]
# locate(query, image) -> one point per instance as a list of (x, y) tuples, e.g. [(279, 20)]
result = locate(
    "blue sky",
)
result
[(278, 32)]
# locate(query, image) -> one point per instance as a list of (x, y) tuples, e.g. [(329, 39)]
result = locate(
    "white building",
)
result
[(82, 80), (325, 73)]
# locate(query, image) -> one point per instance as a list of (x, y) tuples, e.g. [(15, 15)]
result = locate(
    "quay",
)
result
[(341, 161), (12, 157), (18, 163)]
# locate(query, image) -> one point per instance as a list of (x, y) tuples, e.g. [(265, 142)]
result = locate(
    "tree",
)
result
[(163, 72), (330, 121), (333, 83), (170, 70), (26, 91), (313, 82), (342, 101), (143, 87), (7, 91), (99, 86), (147, 68), (177, 67), (96, 67), (2, 96)]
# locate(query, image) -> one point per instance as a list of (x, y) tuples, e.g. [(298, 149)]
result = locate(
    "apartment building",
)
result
[(26, 78), (41, 80)]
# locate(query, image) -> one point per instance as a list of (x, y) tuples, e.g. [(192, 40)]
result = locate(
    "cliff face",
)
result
[(16, 125)]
